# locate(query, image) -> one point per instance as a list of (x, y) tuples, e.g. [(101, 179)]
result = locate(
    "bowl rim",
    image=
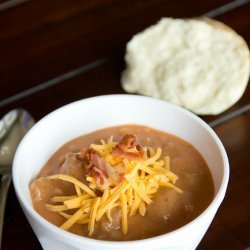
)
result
[(65, 235)]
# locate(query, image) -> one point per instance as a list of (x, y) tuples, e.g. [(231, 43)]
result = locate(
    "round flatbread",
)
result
[(200, 64)]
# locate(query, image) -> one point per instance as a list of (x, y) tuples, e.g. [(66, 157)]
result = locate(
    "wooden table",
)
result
[(57, 52)]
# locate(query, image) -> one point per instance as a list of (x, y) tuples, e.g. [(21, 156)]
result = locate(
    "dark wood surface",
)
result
[(43, 40)]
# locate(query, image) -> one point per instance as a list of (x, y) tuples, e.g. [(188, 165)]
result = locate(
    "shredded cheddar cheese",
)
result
[(124, 213), (73, 219), (138, 190), (93, 211), (112, 199), (75, 182), (78, 190), (141, 179)]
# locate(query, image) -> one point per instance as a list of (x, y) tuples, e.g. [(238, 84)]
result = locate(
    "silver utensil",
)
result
[(13, 126)]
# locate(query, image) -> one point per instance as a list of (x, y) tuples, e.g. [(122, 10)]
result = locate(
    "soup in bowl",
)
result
[(119, 172)]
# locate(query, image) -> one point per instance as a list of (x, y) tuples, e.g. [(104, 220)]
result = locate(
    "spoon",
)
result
[(13, 126)]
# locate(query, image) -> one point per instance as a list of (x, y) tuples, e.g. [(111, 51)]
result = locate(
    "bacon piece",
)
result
[(101, 169), (99, 162), (126, 143), (97, 166), (100, 177)]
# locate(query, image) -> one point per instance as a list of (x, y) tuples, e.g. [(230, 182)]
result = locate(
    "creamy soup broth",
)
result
[(169, 209)]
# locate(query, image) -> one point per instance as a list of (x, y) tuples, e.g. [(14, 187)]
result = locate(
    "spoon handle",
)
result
[(5, 184)]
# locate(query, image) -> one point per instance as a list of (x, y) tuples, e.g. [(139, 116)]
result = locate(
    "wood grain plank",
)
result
[(52, 37), (99, 81), (220, 238), (17, 233), (231, 227)]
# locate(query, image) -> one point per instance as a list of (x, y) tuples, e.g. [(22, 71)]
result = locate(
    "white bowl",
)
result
[(95, 113)]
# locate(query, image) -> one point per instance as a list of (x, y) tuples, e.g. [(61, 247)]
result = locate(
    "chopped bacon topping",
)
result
[(122, 149), (98, 162), (99, 167), (127, 142)]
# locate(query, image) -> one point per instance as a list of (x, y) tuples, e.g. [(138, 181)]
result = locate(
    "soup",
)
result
[(122, 183)]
